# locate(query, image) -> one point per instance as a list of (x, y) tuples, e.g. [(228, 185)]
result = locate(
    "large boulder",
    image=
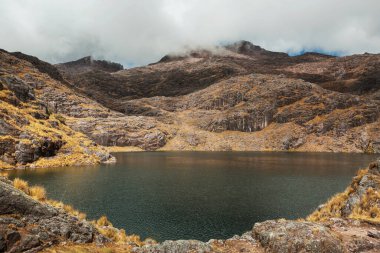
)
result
[(294, 237)]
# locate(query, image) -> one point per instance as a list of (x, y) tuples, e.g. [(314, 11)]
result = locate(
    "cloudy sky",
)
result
[(137, 32)]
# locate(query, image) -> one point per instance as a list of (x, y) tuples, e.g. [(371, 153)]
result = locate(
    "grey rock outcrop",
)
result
[(294, 237), (179, 246)]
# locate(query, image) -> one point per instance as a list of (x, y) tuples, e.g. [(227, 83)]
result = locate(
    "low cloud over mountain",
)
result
[(139, 32)]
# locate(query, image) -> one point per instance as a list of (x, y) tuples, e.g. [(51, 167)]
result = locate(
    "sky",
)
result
[(138, 32)]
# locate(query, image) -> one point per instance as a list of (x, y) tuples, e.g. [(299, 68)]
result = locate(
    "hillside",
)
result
[(237, 97), (33, 132)]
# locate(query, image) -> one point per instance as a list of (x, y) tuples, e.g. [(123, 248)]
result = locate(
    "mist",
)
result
[(138, 32)]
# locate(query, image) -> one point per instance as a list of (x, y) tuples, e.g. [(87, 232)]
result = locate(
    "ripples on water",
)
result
[(200, 195)]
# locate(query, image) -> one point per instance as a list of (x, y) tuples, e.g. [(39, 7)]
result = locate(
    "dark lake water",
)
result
[(200, 195)]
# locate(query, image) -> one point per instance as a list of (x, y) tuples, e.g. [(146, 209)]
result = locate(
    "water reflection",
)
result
[(200, 195)]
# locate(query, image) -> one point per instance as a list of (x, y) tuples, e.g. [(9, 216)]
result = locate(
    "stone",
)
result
[(3, 244), (22, 90), (12, 238), (179, 246), (29, 242), (294, 237), (374, 234)]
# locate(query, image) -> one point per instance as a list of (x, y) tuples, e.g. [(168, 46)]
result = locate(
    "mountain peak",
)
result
[(244, 47), (89, 63)]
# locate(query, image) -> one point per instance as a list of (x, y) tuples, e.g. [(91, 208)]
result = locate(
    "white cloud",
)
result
[(141, 31)]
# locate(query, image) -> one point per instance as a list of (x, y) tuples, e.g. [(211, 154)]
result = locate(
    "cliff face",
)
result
[(238, 97), (32, 130)]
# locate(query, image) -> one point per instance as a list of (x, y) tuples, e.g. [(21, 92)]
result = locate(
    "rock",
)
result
[(154, 140), (13, 201), (374, 234), (22, 90), (29, 242), (7, 129), (180, 246), (35, 224), (359, 244), (25, 153), (12, 238), (3, 244), (30, 151), (293, 237)]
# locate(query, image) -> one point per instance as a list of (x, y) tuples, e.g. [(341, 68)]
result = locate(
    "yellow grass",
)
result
[(367, 209), (116, 149), (38, 193), (77, 148), (21, 185), (4, 174), (5, 166), (103, 221)]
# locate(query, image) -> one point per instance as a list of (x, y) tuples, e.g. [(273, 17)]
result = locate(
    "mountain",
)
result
[(236, 97)]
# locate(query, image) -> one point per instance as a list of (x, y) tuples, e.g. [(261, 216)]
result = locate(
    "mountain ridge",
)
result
[(246, 99)]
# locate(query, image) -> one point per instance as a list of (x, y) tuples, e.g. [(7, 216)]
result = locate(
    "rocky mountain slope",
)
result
[(348, 222), (238, 97), (33, 131)]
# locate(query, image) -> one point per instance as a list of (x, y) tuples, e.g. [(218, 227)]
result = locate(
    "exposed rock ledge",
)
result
[(348, 222)]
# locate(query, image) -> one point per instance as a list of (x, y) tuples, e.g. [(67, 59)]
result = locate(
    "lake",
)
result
[(200, 195)]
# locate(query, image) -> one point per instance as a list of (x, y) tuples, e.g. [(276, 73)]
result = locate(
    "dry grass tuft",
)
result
[(103, 221), (38, 193), (21, 185)]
